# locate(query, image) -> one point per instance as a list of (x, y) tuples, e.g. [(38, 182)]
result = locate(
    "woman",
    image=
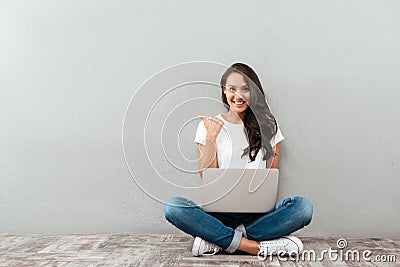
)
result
[(250, 139)]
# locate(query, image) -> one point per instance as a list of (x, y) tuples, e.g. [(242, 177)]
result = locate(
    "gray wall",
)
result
[(68, 70)]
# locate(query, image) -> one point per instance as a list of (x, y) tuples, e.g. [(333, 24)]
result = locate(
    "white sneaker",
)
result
[(202, 247), (285, 245)]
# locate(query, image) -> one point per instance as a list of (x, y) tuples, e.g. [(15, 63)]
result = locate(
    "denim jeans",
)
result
[(226, 229)]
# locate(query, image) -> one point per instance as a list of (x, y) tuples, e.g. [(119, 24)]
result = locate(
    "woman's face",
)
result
[(237, 93)]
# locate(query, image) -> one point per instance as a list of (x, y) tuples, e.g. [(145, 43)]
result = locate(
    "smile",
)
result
[(238, 102)]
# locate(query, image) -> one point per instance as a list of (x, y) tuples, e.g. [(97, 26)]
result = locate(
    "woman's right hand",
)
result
[(213, 126)]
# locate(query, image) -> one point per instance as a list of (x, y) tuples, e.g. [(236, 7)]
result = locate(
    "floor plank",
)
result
[(170, 250)]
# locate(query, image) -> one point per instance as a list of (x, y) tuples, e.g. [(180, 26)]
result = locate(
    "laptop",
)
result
[(239, 190)]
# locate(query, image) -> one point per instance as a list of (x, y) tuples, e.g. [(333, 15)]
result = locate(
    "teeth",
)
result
[(238, 102)]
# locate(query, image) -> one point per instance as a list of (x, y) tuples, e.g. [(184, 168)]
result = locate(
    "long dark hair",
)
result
[(260, 125)]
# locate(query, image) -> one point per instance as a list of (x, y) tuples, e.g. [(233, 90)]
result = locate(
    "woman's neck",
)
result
[(236, 118)]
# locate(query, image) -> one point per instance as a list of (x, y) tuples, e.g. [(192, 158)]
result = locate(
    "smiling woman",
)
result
[(246, 137), (259, 123)]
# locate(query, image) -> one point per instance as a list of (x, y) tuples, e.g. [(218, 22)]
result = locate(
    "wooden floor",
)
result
[(164, 250)]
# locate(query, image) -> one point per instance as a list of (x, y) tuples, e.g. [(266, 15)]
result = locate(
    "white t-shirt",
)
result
[(231, 142)]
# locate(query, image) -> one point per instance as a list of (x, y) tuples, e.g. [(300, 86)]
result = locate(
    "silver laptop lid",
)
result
[(239, 190)]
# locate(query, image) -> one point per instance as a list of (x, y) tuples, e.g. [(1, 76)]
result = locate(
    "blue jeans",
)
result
[(226, 229)]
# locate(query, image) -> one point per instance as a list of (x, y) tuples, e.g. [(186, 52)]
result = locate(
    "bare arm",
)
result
[(208, 156), (272, 162), (208, 152)]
